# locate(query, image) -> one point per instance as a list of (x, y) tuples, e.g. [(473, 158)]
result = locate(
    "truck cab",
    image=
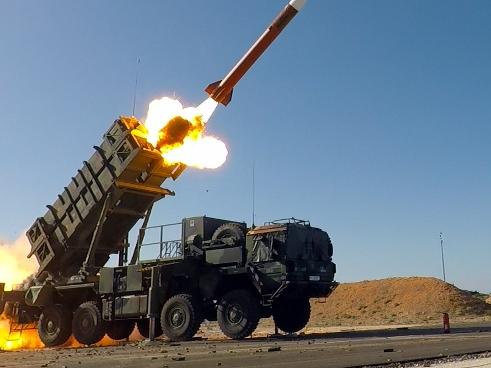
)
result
[(291, 252)]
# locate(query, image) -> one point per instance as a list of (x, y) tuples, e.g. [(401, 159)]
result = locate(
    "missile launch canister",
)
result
[(221, 91)]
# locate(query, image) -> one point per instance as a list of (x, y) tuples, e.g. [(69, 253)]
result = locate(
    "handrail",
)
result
[(291, 220)]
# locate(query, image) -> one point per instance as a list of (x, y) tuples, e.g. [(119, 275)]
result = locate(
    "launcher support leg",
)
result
[(151, 331), (141, 235), (88, 264)]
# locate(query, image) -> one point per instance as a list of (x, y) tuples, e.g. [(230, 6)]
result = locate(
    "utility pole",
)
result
[(443, 258), (253, 194)]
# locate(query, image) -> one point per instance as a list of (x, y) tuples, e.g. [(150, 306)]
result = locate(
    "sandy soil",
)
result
[(410, 300)]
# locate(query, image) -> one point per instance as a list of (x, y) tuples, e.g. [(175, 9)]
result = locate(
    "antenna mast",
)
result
[(136, 85)]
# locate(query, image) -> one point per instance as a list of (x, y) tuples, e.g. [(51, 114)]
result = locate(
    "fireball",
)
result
[(179, 133)]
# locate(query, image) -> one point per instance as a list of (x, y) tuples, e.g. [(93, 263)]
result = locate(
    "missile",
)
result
[(221, 91)]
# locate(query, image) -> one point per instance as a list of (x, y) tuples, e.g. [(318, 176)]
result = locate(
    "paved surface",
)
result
[(345, 349)]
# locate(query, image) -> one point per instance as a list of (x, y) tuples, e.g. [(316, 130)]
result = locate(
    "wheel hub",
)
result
[(235, 314), (86, 322), (51, 327), (177, 317)]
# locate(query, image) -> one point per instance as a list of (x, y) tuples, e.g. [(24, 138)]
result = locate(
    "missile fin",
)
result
[(212, 87), (226, 99), (216, 93)]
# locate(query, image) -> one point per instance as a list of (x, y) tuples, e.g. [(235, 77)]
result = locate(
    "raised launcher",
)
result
[(91, 218)]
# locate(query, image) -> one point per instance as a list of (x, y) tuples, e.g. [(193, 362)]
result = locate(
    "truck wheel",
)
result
[(88, 326), (120, 330), (291, 315), (181, 317), (143, 326), (238, 314), (55, 325), (230, 230)]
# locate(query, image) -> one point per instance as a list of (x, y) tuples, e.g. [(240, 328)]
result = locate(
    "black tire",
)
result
[(181, 317), (55, 325), (291, 315), (230, 230), (120, 330), (238, 314), (88, 326), (143, 326)]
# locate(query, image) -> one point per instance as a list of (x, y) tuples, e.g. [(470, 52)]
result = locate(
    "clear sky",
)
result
[(370, 118)]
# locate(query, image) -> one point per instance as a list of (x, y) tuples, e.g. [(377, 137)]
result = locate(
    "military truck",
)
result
[(217, 270)]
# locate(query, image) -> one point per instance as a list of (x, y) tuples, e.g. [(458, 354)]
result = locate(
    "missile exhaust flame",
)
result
[(178, 133)]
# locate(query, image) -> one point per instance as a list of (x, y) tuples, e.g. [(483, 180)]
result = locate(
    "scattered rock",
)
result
[(274, 348), (178, 358)]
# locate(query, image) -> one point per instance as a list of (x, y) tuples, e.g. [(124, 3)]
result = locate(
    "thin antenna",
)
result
[(253, 194), (443, 258), (136, 85)]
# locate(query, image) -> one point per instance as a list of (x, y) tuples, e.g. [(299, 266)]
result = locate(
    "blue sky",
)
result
[(370, 118)]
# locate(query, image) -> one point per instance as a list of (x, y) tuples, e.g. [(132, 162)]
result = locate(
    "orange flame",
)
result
[(17, 339), (178, 133), (28, 338)]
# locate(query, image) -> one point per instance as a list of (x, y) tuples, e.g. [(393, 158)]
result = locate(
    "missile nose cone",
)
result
[(297, 4)]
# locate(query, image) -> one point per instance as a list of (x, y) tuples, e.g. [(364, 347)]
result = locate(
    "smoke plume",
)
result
[(15, 267)]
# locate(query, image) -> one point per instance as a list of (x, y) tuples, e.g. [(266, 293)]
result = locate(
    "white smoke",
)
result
[(15, 267)]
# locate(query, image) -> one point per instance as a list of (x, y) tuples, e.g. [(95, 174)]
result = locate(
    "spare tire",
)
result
[(230, 231)]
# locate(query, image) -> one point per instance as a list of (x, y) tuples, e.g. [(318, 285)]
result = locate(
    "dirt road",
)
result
[(344, 349)]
